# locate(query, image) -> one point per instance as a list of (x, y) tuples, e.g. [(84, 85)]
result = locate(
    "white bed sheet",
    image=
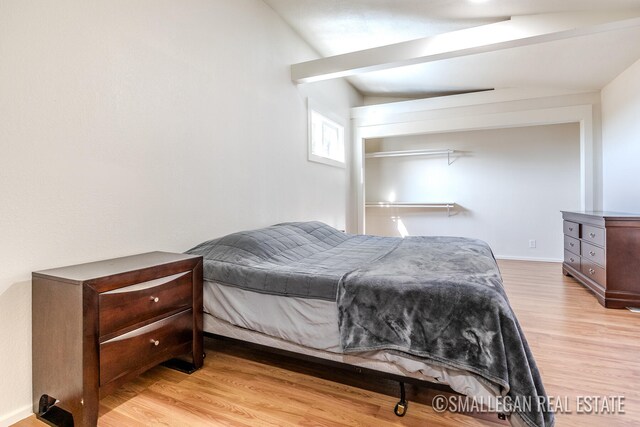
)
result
[(310, 326)]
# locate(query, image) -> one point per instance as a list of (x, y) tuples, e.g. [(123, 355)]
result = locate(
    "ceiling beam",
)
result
[(371, 114), (515, 32)]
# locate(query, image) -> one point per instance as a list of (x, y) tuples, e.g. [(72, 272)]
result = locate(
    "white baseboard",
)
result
[(521, 258), (15, 416)]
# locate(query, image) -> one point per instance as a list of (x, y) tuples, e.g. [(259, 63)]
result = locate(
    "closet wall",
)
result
[(508, 186)]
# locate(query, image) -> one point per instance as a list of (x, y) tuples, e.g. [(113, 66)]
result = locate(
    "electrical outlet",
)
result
[(532, 243)]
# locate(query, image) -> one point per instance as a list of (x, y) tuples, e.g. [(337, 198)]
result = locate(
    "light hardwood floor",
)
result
[(581, 348)]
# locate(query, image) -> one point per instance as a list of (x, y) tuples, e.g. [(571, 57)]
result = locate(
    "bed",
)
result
[(428, 308)]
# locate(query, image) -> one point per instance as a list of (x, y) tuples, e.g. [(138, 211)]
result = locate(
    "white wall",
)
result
[(621, 141), (150, 125), (510, 184)]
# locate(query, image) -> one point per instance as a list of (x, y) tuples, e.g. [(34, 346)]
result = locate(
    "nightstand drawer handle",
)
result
[(572, 260), (592, 253), (591, 271), (570, 228), (572, 244), (592, 235), (155, 342), (154, 299)]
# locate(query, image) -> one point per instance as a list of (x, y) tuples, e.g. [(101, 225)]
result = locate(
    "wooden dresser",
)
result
[(602, 251), (97, 325)]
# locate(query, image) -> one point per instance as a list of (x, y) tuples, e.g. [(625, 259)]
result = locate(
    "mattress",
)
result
[(309, 326)]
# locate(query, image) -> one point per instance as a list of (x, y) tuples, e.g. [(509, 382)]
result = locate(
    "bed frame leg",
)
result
[(401, 407)]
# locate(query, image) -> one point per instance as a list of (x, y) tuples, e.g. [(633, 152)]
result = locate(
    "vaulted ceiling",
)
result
[(572, 44)]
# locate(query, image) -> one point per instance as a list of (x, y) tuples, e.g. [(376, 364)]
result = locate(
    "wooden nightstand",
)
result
[(97, 325)]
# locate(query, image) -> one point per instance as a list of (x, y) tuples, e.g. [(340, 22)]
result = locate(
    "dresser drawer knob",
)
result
[(592, 253), (570, 228), (154, 299), (572, 260), (572, 244), (155, 342), (591, 271), (592, 235)]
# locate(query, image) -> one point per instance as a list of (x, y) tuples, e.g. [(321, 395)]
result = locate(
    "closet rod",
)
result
[(408, 153), (444, 205)]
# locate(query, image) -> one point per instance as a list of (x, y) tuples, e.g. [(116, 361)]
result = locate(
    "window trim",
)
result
[(313, 106)]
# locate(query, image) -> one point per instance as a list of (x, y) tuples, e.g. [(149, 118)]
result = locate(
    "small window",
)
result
[(326, 137)]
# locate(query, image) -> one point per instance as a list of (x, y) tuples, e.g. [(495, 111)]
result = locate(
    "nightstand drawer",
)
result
[(572, 245), (593, 253), (145, 346), (136, 303), (594, 272), (571, 229), (593, 234)]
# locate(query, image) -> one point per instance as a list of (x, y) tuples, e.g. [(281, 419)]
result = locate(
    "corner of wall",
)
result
[(620, 108), (15, 416)]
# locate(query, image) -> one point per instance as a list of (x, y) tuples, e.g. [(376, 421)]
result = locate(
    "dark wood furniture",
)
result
[(602, 251), (97, 325)]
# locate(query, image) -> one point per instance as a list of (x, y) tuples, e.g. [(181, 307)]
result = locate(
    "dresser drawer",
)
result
[(593, 271), (136, 303), (593, 234), (571, 229), (572, 259), (150, 344), (572, 245), (593, 253)]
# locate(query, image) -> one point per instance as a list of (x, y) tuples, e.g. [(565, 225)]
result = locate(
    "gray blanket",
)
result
[(301, 259), (436, 298), (442, 299)]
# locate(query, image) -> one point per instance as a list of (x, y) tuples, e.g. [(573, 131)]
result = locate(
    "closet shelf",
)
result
[(442, 205), (404, 153)]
